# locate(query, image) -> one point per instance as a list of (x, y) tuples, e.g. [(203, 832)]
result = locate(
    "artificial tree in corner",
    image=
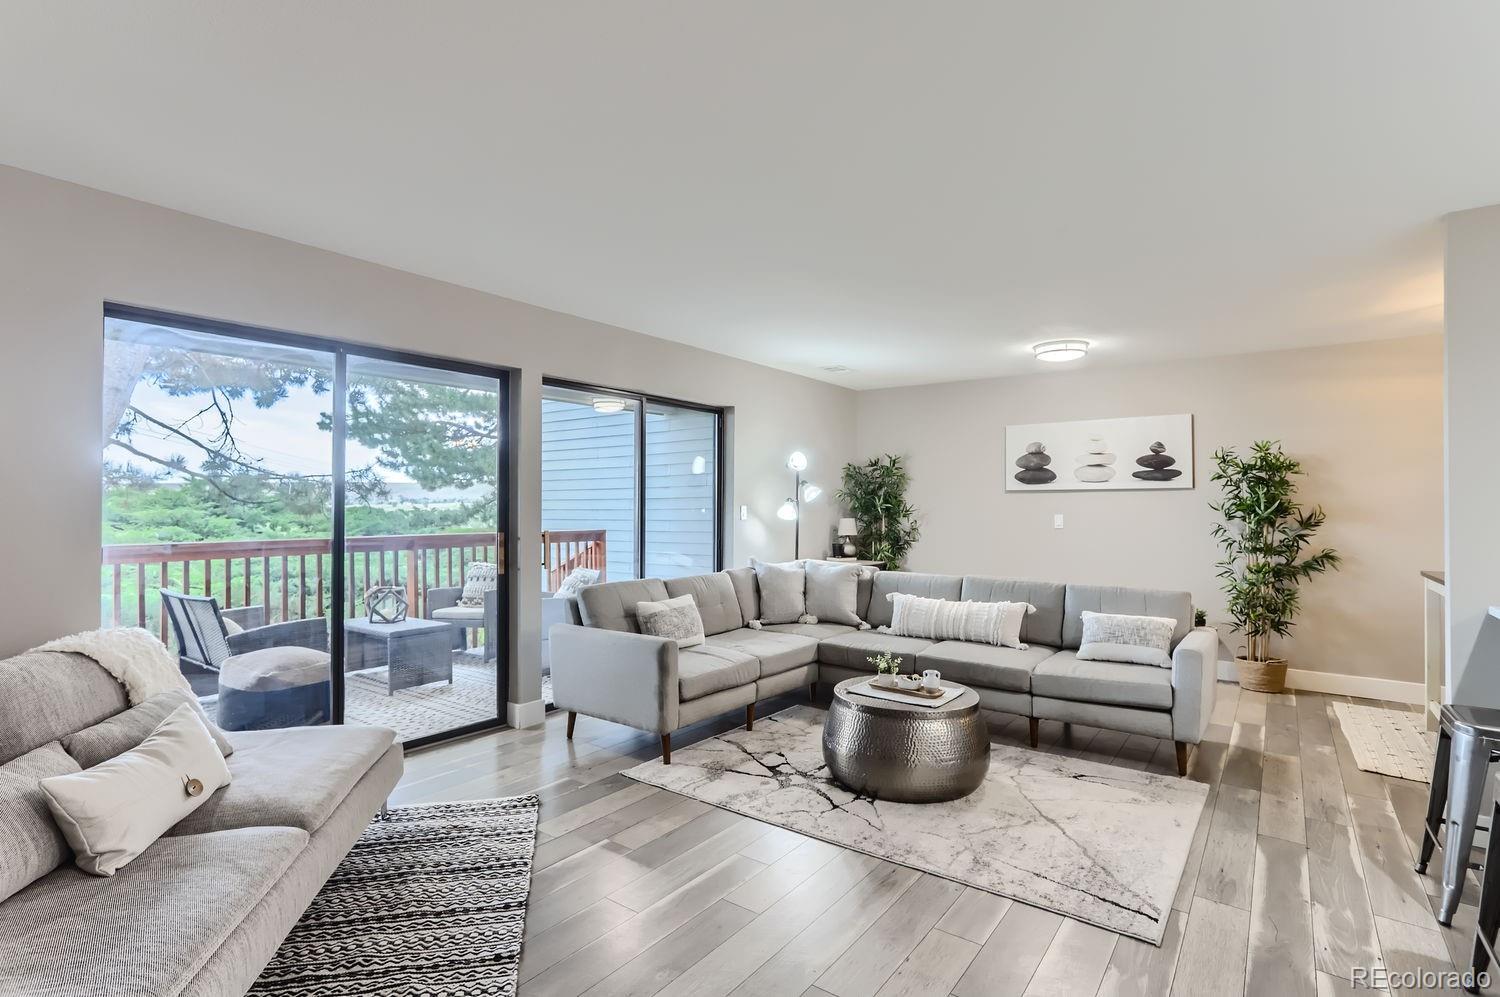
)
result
[(1265, 536), (875, 494)]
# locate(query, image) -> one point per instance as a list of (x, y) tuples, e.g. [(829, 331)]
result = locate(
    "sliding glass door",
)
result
[(315, 529), (631, 488)]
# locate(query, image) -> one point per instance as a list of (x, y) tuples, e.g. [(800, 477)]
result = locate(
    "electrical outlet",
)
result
[(1057, 521)]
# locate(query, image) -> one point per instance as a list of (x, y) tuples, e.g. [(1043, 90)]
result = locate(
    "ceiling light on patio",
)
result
[(609, 406), (1061, 350)]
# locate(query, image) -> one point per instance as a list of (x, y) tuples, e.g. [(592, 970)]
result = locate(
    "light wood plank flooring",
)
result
[(1301, 871)]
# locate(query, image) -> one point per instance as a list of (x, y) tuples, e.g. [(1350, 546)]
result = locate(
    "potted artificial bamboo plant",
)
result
[(1264, 536)]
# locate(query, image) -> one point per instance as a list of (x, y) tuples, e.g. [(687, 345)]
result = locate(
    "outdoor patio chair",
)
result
[(442, 604), (269, 676)]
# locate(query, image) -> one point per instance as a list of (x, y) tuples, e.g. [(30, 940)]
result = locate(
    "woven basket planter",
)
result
[(1262, 676)]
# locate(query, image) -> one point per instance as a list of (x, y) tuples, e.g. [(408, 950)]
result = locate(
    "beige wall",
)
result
[(64, 250), (1366, 420), (1471, 278)]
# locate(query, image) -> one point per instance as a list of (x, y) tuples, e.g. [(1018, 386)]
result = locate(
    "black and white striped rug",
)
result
[(431, 900)]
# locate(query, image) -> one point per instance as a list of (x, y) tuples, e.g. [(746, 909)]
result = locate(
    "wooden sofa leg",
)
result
[(750, 717), (666, 749), (572, 719), (1182, 755), (1032, 723)]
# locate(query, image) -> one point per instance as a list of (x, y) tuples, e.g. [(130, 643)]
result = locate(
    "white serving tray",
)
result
[(950, 693)]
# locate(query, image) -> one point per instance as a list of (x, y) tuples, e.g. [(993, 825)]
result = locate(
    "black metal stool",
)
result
[(1489, 905), (1468, 740)]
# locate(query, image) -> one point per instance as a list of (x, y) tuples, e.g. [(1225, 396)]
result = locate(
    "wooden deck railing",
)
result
[(293, 578), (564, 550)]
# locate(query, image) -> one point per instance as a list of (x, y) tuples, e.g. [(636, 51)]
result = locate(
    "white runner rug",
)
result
[(1391, 742), (1095, 842)]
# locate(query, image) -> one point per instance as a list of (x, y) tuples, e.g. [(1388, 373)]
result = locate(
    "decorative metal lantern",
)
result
[(386, 603)]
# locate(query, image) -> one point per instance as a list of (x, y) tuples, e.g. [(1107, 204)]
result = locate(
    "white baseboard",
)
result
[(525, 714), (1359, 686)]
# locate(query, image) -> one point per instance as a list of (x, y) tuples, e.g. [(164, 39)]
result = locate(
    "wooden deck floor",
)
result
[(1301, 872)]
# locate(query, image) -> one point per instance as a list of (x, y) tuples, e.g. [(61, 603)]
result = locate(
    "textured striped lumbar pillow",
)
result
[(1133, 640), (997, 623)]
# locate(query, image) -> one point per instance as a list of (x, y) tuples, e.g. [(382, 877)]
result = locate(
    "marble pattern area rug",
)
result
[(1094, 842), (1390, 742)]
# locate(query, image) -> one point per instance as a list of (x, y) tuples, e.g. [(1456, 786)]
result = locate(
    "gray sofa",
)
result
[(204, 908), (604, 667)]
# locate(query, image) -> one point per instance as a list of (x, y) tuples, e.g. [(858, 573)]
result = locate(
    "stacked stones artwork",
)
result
[(1033, 466), (1157, 465), (1095, 464)]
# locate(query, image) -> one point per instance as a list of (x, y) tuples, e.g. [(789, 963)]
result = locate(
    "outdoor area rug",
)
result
[(1391, 742), (1094, 842), (431, 900)]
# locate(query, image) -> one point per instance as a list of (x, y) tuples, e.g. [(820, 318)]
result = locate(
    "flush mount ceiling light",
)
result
[(1061, 350), (609, 406)]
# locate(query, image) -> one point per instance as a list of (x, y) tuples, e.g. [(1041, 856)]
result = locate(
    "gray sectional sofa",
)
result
[(203, 909), (604, 667)]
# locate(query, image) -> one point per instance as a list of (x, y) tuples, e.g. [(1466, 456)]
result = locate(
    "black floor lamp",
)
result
[(802, 491)]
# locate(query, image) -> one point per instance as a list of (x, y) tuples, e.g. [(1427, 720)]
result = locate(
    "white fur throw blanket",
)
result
[(140, 662)]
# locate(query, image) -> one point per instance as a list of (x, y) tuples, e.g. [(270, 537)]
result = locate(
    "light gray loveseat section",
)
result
[(205, 907), (606, 668)]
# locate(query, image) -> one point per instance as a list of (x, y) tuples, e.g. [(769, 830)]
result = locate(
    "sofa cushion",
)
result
[(1064, 676), (1041, 627), (747, 591), (710, 668), (33, 843), (126, 729), (146, 931), (777, 652), (911, 583), (714, 594), (458, 614), (984, 664), (817, 631), (853, 649), (46, 695), (611, 606), (293, 777), (1127, 601)]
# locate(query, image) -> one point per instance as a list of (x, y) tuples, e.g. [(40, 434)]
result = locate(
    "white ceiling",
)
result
[(918, 191)]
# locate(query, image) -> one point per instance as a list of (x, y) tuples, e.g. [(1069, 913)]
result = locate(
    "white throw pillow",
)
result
[(115, 810), (676, 618), (1133, 640), (577, 579), (783, 591), (833, 592), (479, 577), (997, 623)]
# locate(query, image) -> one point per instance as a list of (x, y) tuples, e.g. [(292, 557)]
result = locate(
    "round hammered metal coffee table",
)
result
[(906, 753)]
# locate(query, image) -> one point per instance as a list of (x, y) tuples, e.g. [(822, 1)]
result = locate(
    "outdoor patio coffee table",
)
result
[(906, 752), (413, 652)]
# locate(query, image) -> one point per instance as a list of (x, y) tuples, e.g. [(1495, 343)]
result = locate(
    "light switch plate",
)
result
[(1057, 521), (744, 513)]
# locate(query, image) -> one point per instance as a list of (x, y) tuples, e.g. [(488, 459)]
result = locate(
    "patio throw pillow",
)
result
[(783, 593), (833, 593), (1133, 640), (997, 623), (479, 577), (675, 618), (118, 734), (34, 844), (115, 810), (577, 579)]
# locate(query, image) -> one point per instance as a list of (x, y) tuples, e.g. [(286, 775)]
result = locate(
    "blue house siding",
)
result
[(588, 483)]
